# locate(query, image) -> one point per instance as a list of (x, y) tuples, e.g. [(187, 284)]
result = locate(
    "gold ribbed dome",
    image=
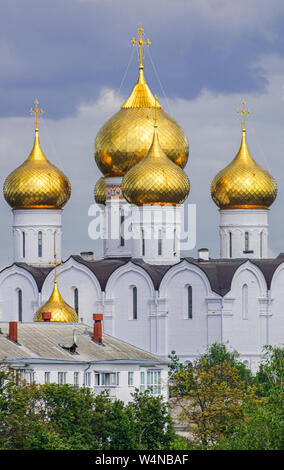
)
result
[(59, 309), (156, 179), (243, 184), (126, 137), (100, 191), (37, 183)]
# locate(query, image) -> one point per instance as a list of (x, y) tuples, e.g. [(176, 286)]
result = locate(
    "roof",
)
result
[(219, 272), (41, 341)]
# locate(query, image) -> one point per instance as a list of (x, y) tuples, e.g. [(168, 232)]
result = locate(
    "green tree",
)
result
[(153, 423)]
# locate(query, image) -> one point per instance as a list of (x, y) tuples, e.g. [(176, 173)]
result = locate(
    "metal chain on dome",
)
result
[(158, 78), (126, 71)]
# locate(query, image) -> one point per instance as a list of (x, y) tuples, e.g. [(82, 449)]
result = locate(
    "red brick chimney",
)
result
[(13, 331), (46, 316), (98, 329)]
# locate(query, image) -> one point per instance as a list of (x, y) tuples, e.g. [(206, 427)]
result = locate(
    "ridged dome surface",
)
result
[(156, 179), (59, 309), (243, 183), (126, 137), (37, 183), (100, 191)]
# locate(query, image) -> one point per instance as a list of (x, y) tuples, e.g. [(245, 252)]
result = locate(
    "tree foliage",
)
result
[(53, 416)]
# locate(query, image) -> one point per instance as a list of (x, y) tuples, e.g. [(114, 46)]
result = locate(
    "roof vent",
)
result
[(203, 254), (87, 255)]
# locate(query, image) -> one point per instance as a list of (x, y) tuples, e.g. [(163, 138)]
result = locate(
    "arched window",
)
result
[(160, 243), (20, 305), (134, 303), (189, 302), (76, 300), (122, 242), (143, 242), (230, 244), (24, 244), (245, 302), (39, 244), (246, 241)]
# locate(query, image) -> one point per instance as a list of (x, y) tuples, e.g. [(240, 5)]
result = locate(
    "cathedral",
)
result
[(148, 294)]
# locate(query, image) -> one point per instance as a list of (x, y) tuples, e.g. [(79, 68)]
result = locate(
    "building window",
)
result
[(39, 244), (76, 379), (160, 243), (134, 303), (62, 378), (245, 302), (54, 243), (153, 381), (230, 244), (20, 305), (24, 244), (246, 241), (87, 379), (76, 300), (110, 379), (97, 379), (47, 377), (122, 242), (174, 242), (261, 241), (143, 243), (142, 381), (130, 379), (189, 302)]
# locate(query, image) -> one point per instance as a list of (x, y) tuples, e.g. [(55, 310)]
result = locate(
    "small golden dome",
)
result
[(243, 184), (37, 184), (126, 137), (59, 309), (156, 179), (100, 191)]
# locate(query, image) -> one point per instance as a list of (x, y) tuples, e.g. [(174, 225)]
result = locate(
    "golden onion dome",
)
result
[(126, 137), (243, 184), (60, 311), (100, 191), (155, 179), (37, 184)]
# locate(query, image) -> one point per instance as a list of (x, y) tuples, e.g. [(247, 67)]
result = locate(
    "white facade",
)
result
[(37, 235), (244, 233)]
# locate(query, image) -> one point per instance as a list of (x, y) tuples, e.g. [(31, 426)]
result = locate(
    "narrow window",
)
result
[(143, 243), (97, 379), (54, 242), (246, 241), (134, 302), (61, 378), (189, 300), (76, 300), (261, 236), (160, 243), (174, 243), (39, 244), (24, 245), (130, 379), (47, 377), (142, 381), (230, 243), (88, 379), (20, 305), (76, 379), (245, 302), (122, 242)]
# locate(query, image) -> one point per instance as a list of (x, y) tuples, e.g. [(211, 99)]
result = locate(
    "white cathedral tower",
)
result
[(243, 191)]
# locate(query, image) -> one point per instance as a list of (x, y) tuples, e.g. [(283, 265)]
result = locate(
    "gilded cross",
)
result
[(55, 264), (243, 111), (36, 111), (140, 42)]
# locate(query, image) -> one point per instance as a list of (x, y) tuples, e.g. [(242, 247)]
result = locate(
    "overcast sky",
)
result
[(208, 55)]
